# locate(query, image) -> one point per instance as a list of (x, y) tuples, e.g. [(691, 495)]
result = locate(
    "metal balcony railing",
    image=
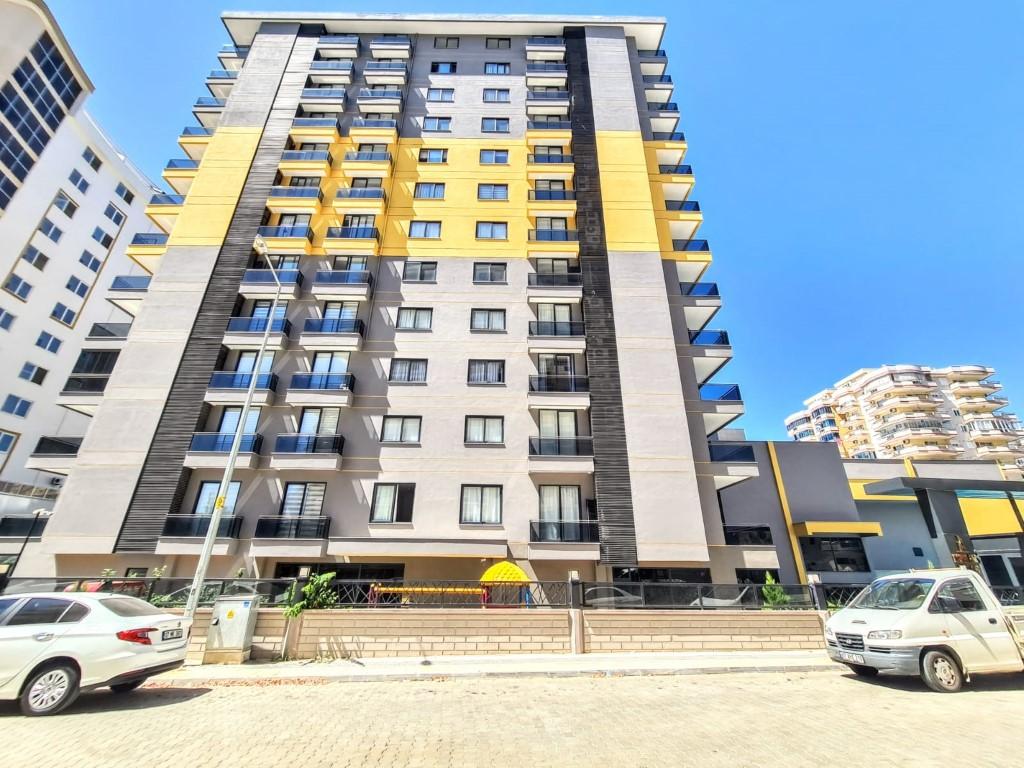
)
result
[(86, 384), (295, 192), (699, 289), (555, 279), (559, 384), (325, 382), (554, 235), (57, 446), (301, 231), (561, 446), (287, 277), (731, 452), (307, 156), (197, 526), (343, 277), (258, 325), (709, 338), (545, 159), (292, 527), (333, 325), (720, 393), (130, 283), (304, 443), (109, 331), (557, 328), (162, 199), (360, 193), (242, 380), (552, 194), (570, 531), (220, 442), (353, 233)]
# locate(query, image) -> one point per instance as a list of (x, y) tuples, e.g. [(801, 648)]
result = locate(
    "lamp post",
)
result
[(28, 535), (225, 483)]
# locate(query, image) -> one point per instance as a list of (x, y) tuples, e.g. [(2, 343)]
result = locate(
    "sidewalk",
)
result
[(512, 665)]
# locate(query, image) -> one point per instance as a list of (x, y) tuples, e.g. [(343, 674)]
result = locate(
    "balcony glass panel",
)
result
[(304, 192), (220, 442), (330, 64), (554, 235), (86, 384), (292, 527), (307, 156), (368, 157), (561, 446), (197, 526), (579, 531), (552, 194), (669, 136), (682, 205), (333, 325), (182, 163), (680, 169), (238, 380), (690, 245), (547, 95), (657, 78), (149, 238), (557, 328), (300, 231), (709, 338), (323, 381), (360, 193), (720, 392), (162, 199), (542, 159), (548, 125), (57, 446), (266, 276), (196, 130), (699, 289), (731, 452), (353, 233), (559, 384), (297, 443), (316, 122), (210, 101), (363, 122), (258, 325), (555, 280), (109, 331), (130, 283), (330, 94), (343, 277), (546, 66)]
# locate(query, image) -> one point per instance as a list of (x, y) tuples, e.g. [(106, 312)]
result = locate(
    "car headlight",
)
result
[(829, 632), (885, 634)]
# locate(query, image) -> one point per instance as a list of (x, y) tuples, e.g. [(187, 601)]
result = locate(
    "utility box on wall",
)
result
[(229, 638)]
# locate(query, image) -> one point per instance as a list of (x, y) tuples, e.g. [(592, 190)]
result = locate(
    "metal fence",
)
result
[(678, 595)]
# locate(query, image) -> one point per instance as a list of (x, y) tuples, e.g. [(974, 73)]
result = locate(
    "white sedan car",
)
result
[(53, 646)]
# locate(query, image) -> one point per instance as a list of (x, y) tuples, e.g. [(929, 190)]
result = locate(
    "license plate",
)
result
[(170, 634), (855, 658)]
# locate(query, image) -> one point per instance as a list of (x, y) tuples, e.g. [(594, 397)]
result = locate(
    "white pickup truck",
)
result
[(943, 625)]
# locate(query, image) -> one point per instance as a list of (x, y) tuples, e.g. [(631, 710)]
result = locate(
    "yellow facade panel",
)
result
[(626, 192), (990, 517)]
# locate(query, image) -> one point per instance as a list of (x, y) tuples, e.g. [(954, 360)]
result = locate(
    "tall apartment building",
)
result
[(491, 341), (915, 412), (69, 202)]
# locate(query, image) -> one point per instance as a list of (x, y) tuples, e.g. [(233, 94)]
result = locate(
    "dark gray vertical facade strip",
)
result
[(267, 94), (611, 466)]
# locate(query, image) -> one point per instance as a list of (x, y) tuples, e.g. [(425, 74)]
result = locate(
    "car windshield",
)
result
[(129, 606), (894, 594)]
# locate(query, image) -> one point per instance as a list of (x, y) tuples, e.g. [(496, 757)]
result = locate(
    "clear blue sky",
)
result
[(859, 165)]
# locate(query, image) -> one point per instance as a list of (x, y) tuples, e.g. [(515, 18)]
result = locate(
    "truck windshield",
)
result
[(894, 594)]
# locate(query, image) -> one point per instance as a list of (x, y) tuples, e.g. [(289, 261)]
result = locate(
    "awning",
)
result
[(837, 528)]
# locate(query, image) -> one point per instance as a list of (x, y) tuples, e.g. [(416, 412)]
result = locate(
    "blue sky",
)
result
[(858, 165)]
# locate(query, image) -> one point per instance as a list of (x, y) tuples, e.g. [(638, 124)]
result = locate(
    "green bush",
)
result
[(774, 595), (317, 593)]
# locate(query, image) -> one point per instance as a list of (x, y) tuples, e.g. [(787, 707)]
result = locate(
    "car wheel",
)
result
[(861, 670), (50, 690), (941, 672), (127, 687)]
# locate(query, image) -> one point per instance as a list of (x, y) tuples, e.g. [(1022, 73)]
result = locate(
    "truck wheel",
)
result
[(862, 671), (49, 690), (941, 672)]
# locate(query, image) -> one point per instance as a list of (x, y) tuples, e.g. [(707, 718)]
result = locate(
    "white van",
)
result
[(943, 625)]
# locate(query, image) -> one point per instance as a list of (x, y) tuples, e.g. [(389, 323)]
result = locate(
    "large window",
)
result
[(400, 429), (486, 372), (441, 94), (485, 430), (414, 319), (425, 229), (493, 157), (836, 554), (433, 155), (487, 320), (494, 125), (207, 497), (303, 499), (481, 505), (420, 272), (492, 230), (425, 190), (492, 191), (489, 272), (404, 370), (392, 502)]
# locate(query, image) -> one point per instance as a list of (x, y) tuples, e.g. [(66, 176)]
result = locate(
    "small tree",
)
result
[(774, 595), (317, 594)]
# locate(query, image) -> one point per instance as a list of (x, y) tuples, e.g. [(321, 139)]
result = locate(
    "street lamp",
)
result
[(41, 512), (225, 483)]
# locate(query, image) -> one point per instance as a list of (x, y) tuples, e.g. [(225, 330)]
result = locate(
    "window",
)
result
[(51, 230), (32, 372), (433, 155), (484, 272), (102, 237), (6, 319), (481, 505), (52, 64), (124, 193), (492, 230), (494, 125), (66, 204), (63, 314), (958, 596), (48, 342), (446, 42), (35, 88), (497, 68), (96, 361), (497, 95), (558, 504), (207, 497), (420, 272), (428, 191), (392, 502), (90, 261), (40, 610), (17, 111), (112, 213), (487, 320), (90, 157), (498, 43), (303, 499), (77, 287), (440, 94), (405, 370), (834, 554), (17, 286), (489, 430), (7, 190), (429, 229), (486, 372), (16, 405), (7, 441), (80, 183), (492, 192), (400, 429), (493, 157), (437, 124), (34, 256), (414, 319), (443, 67)]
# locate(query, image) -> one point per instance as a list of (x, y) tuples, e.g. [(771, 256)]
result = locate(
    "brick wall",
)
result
[(267, 639), (609, 631)]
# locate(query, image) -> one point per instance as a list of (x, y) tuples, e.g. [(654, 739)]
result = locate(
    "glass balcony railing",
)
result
[(555, 279), (657, 78), (547, 95), (536, 67), (365, 122), (554, 235), (543, 159), (392, 40), (301, 231), (307, 156), (559, 384), (86, 384), (682, 205), (242, 380), (557, 328), (209, 102), (662, 106), (287, 277), (333, 325), (720, 392), (149, 238), (182, 164), (221, 442), (360, 193), (699, 289), (748, 535), (130, 283), (328, 94), (385, 66), (222, 74), (568, 531), (303, 443), (669, 136), (109, 331), (162, 199), (655, 53), (680, 169), (338, 40), (57, 446), (709, 338), (732, 452), (389, 93), (690, 245), (331, 65), (367, 157), (316, 122), (552, 194), (324, 382), (292, 527), (548, 125), (561, 446), (297, 192), (197, 526), (343, 277), (353, 233), (540, 40), (196, 130), (258, 325)]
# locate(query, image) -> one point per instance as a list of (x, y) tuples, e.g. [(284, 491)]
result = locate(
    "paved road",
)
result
[(749, 719)]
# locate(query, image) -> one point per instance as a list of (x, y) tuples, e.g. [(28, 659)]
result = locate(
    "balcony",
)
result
[(193, 141), (700, 303), (208, 110), (568, 531), (127, 292), (360, 241), (292, 527), (380, 129), (146, 248), (287, 240), (220, 81), (260, 284), (232, 388), (305, 162), (657, 83), (968, 372), (20, 526), (552, 202), (543, 288), (307, 452), (974, 388), (197, 526), (708, 350), (553, 242), (83, 392), (209, 450), (706, 338), (718, 405), (364, 200), (540, 102), (163, 210), (332, 333), (315, 130), (232, 56), (385, 72), (300, 200), (673, 137), (731, 463), (387, 100), (55, 455), (541, 74), (338, 46), (553, 235), (571, 392), (246, 333), (543, 48), (179, 174), (547, 125), (561, 455), (554, 337), (652, 62), (320, 389), (344, 284), (331, 71), (391, 47), (373, 164), (107, 335), (323, 99)]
